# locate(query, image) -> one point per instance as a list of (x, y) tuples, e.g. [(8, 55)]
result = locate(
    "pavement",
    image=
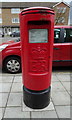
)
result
[(7, 38), (11, 97)]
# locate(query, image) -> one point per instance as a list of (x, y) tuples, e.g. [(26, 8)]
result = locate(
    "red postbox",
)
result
[(37, 34)]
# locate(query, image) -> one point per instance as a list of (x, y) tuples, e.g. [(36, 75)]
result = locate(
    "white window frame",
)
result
[(61, 20), (61, 9), (15, 10), (0, 20), (14, 20), (64, 10), (0, 10)]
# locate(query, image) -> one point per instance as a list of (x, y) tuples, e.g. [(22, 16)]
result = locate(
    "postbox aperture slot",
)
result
[(41, 22), (38, 35)]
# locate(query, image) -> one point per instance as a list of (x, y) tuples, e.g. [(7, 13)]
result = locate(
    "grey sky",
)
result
[(68, 1)]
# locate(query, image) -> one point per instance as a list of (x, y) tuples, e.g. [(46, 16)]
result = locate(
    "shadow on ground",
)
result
[(62, 69), (54, 69)]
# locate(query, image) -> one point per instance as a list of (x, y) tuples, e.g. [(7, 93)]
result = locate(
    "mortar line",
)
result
[(54, 106), (30, 116), (64, 87), (8, 97), (55, 109)]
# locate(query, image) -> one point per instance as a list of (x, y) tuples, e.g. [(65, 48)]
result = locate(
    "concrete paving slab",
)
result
[(3, 99), (18, 79), (6, 79), (48, 108), (71, 112), (71, 76), (0, 87), (14, 99), (0, 99), (5, 87), (1, 113), (57, 86), (67, 86), (63, 77), (71, 100), (1, 79), (18, 74), (70, 92), (60, 98), (54, 78), (63, 72), (17, 87), (63, 111), (6, 74), (15, 112), (44, 114)]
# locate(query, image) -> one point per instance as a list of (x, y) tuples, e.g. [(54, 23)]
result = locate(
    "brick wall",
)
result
[(7, 18), (65, 15)]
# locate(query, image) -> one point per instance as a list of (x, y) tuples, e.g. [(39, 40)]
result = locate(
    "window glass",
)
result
[(61, 20), (15, 10), (15, 29), (0, 10), (56, 35), (38, 36), (0, 20), (61, 9), (15, 20), (68, 35)]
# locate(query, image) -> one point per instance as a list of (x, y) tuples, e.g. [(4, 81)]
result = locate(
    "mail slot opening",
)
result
[(41, 22)]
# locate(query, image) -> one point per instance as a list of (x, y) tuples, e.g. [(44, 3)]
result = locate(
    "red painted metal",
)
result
[(64, 53), (36, 57)]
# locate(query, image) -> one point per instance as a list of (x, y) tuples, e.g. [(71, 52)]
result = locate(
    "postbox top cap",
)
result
[(38, 8)]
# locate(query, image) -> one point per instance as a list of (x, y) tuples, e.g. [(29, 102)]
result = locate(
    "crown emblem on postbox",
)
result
[(39, 52)]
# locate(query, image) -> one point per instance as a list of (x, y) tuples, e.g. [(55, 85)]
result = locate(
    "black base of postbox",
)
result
[(36, 99)]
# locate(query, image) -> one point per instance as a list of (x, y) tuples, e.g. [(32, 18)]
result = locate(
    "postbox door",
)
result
[(38, 50)]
